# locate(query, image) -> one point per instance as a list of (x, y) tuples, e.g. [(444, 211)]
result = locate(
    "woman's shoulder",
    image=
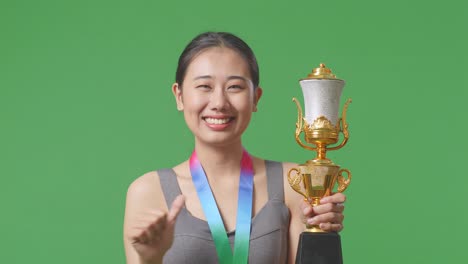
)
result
[(147, 189), (144, 183), (149, 182), (145, 192)]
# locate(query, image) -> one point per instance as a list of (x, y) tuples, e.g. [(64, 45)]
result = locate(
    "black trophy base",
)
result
[(319, 248)]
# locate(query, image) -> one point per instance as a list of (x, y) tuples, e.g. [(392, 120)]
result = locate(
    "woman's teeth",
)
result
[(217, 121)]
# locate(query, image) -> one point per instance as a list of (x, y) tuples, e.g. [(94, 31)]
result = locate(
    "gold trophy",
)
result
[(317, 177)]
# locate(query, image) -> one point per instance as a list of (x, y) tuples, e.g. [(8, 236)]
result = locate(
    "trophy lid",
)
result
[(322, 92), (322, 72)]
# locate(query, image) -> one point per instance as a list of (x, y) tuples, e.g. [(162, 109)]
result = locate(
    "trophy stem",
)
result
[(321, 154), (321, 151)]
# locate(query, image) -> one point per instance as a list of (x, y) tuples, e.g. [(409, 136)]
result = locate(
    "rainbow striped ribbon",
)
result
[(215, 222)]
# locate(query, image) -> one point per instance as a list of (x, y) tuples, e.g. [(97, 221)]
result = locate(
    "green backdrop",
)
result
[(86, 107)]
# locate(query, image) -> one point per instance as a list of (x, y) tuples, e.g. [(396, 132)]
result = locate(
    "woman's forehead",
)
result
[(218, 61)]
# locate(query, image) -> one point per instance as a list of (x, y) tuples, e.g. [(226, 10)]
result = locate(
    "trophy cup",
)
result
[(321, 127)]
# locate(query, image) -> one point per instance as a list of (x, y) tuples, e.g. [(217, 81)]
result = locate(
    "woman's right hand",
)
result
[(153, 232)]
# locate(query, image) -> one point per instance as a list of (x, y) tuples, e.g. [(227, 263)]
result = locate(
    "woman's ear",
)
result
[(177, 91), (258, 95)]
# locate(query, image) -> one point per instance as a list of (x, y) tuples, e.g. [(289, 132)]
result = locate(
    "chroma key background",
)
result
[(86, 107)]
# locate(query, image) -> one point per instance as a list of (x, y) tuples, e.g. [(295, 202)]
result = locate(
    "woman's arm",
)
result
[(148, 225), (296, 224)]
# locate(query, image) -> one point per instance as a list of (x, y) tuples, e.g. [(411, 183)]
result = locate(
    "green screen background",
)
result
[(86, 107)]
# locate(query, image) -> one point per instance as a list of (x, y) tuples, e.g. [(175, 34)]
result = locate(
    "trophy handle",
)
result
[(342, 182), (299, 126), (343, 126), (294, 181)]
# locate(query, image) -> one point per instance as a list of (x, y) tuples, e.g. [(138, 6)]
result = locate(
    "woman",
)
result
[(188, 214)]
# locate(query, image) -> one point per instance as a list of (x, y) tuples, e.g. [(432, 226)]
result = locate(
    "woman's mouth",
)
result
[(217, 123)]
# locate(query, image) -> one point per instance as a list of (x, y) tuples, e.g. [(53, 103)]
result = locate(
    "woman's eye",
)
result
[(203, 86), (235, 87)]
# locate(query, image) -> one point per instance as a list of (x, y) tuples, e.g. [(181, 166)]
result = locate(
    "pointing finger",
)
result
[(177, 205)]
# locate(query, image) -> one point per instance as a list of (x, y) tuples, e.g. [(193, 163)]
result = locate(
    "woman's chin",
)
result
[(219, 138)]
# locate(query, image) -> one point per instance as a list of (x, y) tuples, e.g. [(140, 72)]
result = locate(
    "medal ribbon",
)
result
[(215, 222)]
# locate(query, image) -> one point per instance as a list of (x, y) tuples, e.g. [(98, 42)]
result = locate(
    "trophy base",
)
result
[(319, 248)]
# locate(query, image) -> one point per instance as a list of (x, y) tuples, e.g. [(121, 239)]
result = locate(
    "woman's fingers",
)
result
[(330, 227), (335, 198), (333, 204), (152, 226), (156, 228), (177, 205), (329, 207), (306, 209), (328, 214), (149, 226), (139, 235), (336, 218)]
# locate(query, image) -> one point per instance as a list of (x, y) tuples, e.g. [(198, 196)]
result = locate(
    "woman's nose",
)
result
[(219, 100)]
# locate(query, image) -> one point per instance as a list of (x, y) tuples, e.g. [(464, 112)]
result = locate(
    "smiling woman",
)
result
[(237, 209), (218, 96)]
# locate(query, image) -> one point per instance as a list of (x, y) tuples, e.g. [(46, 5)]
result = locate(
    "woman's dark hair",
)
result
[(217, 39)]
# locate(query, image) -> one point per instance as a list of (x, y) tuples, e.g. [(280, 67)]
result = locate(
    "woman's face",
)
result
[(217, 96)]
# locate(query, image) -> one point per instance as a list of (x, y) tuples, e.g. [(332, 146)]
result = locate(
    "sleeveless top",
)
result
[(193, 242)]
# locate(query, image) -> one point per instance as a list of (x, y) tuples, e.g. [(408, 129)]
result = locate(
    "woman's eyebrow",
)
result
[(237, 77), (232, 77), (202, 77)]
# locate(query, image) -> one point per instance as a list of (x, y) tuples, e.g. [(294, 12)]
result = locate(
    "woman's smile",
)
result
[(218, 123)]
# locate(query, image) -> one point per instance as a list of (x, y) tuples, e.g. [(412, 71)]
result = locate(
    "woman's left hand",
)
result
[(328, 214)]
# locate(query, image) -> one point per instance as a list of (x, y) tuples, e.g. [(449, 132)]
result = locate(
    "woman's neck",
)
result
[(220, 161)]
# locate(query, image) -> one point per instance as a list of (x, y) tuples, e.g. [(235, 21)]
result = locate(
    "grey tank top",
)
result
[(269, 233)]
